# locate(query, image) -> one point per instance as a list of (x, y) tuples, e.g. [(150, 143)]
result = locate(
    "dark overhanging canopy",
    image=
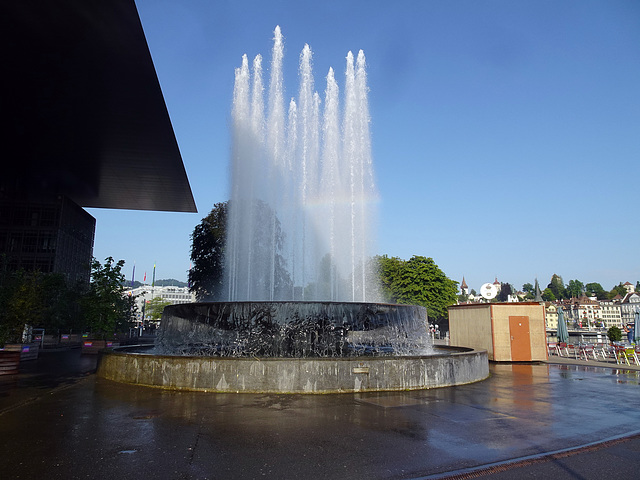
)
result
[(83, 113)]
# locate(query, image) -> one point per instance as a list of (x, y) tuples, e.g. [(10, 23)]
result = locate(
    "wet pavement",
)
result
[(526, 421)]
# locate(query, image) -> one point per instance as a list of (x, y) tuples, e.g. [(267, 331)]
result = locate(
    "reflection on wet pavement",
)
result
[(522, 409)]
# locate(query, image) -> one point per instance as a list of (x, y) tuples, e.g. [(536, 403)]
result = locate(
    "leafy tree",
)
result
[(267, 243), (20, 304), (505, 290), (208, 241), (155, 306), (529, 291), (548, 295), (595, 290), (106, 308), (418, 281), (43, 300), (557, 287), (208, 244), (575, 288), (390, 271), (618, 290), (62, 310)]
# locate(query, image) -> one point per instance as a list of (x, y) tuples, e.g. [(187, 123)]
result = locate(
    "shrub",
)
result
[(614, 334)]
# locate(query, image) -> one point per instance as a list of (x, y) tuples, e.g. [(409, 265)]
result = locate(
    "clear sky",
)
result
[(505, 135)]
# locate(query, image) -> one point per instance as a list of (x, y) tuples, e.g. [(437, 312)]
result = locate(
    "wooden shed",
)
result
[(509, 332)]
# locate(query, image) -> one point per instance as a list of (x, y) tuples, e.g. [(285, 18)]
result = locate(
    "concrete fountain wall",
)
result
[(457, 366), (294, 347)]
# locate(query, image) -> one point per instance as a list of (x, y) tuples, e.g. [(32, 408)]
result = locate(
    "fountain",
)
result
[(301, 309), (301, 213)]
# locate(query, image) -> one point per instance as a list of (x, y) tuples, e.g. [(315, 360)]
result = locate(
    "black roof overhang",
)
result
[(83, 112)]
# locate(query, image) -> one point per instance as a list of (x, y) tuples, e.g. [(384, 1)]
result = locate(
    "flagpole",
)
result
[(153, 281)]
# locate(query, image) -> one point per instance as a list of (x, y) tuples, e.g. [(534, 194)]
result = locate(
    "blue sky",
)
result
[(505, 134)]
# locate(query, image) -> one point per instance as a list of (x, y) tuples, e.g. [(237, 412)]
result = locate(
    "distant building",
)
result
[(629, 287), (610, 313), (551, 316), (582, 311), (628, 306), (174, 295), (464, 288)]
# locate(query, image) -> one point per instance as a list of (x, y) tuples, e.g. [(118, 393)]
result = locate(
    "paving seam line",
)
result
[(490, 468)]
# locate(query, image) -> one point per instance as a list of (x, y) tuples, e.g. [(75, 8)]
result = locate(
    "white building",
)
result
[(173, 295), (628, 306), (582, 311), (551, 316), (610, 313)]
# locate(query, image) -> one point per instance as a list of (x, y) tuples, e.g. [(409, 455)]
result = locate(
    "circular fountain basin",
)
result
[(449, 366), (293, 347)]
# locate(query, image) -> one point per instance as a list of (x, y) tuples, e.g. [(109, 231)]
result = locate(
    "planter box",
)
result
[(28, 351), (9, 362), (92, 347)]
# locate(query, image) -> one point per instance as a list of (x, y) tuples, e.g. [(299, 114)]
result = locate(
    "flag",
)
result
[(153, 282), (133, 275), (145, 277)]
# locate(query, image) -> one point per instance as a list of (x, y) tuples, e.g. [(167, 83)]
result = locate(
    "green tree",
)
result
[(418, 281), (390, 272), (595, 290), (505, 290), (20, 304), (618, 290), (529, 290), (208, 240), (208, 245), (155, 306), (557, 287), (575, 288), (548, 295), (42, 300), (106, 308), (62, 311)]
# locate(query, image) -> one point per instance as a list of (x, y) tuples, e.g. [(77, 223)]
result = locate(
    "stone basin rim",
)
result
[(126, 350), (300, 375)]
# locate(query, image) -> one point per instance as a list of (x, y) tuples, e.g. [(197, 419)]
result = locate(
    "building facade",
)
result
[(551, 316), (628, 306), (173, 295), (49, 234), (87, 127)]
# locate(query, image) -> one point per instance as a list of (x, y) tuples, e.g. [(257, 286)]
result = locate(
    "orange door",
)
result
[(520, 339)]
